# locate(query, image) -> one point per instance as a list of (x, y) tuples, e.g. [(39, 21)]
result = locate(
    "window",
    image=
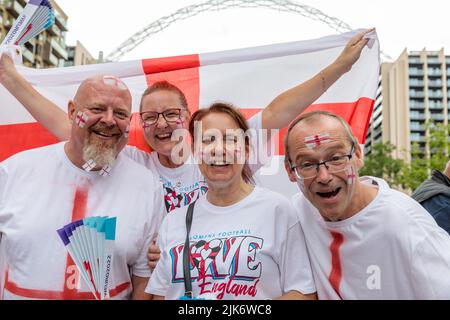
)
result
[(415, 136)]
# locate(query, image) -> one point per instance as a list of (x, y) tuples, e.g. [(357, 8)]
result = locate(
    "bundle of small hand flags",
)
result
[(90, 243)]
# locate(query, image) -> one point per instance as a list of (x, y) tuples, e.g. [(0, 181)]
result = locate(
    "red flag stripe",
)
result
[(182, 72), (158, 65), (58, 295), (335, 276), (78, 212), (20, 137)]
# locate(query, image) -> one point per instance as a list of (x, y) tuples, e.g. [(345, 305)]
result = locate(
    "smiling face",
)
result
[(222, 150), (101, 118), (159, 134), (332, 193)]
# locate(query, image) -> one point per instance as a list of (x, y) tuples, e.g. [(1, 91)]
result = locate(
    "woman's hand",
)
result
[(352, 50)]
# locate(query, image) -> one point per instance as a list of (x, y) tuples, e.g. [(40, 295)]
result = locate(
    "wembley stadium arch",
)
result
[(215, 5)]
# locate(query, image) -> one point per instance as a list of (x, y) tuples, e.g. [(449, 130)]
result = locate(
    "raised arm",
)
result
[(288, 105), (43, 110)]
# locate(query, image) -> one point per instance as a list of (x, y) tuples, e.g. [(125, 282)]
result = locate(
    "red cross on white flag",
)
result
[(81, 119), (89, 166), (106, 170), (351, 176), (316, 141), (204, 78)]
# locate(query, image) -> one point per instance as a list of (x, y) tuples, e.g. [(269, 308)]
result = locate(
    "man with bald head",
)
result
[(42, 190), (365, 240)]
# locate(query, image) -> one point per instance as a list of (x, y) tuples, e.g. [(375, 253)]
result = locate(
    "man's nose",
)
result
[(323, 175), (108, 117)]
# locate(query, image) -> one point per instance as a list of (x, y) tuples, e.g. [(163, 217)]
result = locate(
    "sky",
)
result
[(102, 25)]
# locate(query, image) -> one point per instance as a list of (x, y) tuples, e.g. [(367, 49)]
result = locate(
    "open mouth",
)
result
[(328, 195), (105, 134), (219, 164), (164, 136)]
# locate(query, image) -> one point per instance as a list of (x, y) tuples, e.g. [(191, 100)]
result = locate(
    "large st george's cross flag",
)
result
[(248, 78)]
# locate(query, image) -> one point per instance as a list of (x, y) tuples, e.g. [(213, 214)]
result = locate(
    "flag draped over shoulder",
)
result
[(248, 78)]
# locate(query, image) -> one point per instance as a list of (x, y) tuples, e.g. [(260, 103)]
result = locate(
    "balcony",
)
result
[(416, 83), (58, 49), (416, 94), (416, 72), (378, 122), (377, 134), (54, 30), (51, 59), (60, 21), (13, 7), (435, 83), (415, 116), (435, 95), (439, 117), (436, 106), (417, 138), (48, 55), (434, 73), (414, 61), (434, 61), (416, 105), (28, 56), (416, 128)]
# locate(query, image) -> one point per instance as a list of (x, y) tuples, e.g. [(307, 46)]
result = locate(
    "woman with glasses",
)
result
[(244, 242), (164, 109)]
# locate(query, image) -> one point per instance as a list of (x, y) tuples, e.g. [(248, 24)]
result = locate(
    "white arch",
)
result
[(193, 10)]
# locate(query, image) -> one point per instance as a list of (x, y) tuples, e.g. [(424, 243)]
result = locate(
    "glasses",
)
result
[(152, 117), (308, 170)]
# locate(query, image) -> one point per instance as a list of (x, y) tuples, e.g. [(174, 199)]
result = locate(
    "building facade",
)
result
[(78, 55), (413, 90), (48, 49)]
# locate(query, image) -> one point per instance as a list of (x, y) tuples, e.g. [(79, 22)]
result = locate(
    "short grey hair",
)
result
[(314, 115)]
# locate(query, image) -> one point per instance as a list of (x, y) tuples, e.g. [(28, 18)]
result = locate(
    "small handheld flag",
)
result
[(90, 243), (37, 16)]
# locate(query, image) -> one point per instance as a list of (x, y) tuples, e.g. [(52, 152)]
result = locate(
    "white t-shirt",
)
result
[(186, 184), (41, 191), (253, 249), (392, 249)]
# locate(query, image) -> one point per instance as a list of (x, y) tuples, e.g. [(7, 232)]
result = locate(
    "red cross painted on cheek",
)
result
[(81, 119)]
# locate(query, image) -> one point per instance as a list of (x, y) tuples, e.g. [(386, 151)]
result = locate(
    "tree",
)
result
[(421, 165), (415, 172), (380, 163)]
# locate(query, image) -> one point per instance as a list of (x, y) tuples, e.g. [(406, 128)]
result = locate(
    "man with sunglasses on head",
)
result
[(365, 240)]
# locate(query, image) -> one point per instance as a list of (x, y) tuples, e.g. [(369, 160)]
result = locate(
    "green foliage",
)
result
[(380, 163), (400, 174), (416, 172)]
